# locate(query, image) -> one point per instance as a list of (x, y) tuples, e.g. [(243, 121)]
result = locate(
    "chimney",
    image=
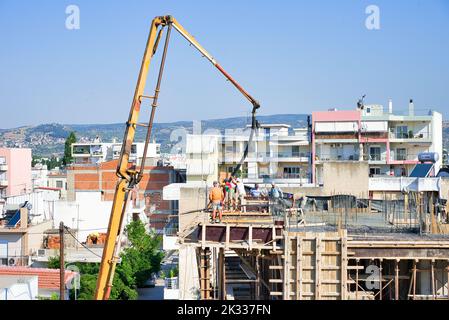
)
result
[(411, 108), (390, 106)]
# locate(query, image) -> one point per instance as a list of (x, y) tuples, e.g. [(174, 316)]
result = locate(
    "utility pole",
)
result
[(61, 262)]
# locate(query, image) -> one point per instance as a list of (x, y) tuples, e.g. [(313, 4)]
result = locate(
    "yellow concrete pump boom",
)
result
[(129, 175)]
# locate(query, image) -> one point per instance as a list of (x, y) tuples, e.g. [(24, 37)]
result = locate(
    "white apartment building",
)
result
[(389, 142), (97, 152), (278, 154)]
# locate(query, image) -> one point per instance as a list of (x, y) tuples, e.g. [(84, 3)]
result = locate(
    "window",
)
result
[(401, 154), (2, 160), (59, 184), (374, 153), (295, 151), (133, 149), (374, 171), (292, 172), (402, 132)]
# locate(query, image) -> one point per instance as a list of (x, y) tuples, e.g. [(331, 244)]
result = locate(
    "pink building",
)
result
[(15, 171), (390, 143)]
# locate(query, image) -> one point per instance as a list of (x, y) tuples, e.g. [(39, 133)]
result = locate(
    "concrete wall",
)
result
[(346, 178), (189, 284), (35, 236), (16, 243)]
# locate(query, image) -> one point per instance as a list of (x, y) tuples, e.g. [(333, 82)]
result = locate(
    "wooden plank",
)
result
[(275, 267), (228, 235), (317, 267), (203, 236), (250, 237), (299, 283), (344, 271), (286, 277)]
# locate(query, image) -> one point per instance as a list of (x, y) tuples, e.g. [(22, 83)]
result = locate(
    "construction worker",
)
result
[(230, 194), (216, 198), (241, 194), (275, 195)]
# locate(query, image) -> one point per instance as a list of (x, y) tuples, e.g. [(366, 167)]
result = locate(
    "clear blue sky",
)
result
[(293, 56)]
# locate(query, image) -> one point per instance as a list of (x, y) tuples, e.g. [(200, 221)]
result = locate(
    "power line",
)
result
[(82, 244)]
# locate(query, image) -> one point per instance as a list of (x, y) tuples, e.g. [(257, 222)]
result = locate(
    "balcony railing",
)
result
[(274, 176), (171, 283), (404, 157), (333, 157), (375, 157), (410, 135)]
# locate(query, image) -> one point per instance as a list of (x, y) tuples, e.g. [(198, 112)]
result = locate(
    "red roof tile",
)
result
[(47, 278)]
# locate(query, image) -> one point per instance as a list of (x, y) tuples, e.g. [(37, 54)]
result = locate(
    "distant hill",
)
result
[(48, 139)]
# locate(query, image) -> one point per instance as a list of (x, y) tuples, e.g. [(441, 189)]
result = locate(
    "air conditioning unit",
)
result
[(12, 261)]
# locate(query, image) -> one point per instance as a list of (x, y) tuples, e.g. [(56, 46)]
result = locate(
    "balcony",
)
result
[(4, 183), (293, 156), (280, 178), (336, 157), (375, 158), (401, 157), (3, 167), (410, 136)]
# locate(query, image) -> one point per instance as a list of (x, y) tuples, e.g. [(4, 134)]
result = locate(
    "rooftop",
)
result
[(47, 278)]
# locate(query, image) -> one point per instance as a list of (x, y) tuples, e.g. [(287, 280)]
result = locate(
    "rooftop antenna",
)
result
[(361, 103)]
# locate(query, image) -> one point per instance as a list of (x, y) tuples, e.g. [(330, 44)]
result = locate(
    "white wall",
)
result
[(14, 243), (18, 287), (88, 212), (188, 273), (42, 202), (437, 138)]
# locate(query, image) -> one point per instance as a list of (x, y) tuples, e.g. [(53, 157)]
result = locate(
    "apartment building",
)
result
[(97, 152), (278, 154), (91, 190), (389, 142), (15, 171)]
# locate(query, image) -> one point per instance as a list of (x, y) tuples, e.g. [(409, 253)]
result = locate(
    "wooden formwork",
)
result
[(312, 266)]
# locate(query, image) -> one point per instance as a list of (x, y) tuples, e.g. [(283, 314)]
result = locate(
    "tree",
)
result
[(143, 257), (68, 158), (138, 261)]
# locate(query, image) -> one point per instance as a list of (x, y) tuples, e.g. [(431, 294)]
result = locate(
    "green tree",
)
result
[(138, 261), (67, 159), (53, 262)]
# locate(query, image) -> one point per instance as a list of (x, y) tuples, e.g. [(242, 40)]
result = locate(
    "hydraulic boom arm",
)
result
[(129, 176)]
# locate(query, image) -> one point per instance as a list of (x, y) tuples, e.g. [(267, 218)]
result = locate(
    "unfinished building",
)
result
[(390, 247)]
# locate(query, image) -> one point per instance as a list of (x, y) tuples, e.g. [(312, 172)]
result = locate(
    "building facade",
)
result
[(15, 171), (91, 190), (389, 142), (277, 154), (97, 152)]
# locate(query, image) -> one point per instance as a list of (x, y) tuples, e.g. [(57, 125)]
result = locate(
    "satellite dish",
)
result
[(29, 206)]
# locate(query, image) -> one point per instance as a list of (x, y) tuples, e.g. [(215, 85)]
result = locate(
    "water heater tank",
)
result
[(428, 157)]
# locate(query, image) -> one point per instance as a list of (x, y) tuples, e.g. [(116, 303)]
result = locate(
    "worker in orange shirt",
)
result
[(216, 198)]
